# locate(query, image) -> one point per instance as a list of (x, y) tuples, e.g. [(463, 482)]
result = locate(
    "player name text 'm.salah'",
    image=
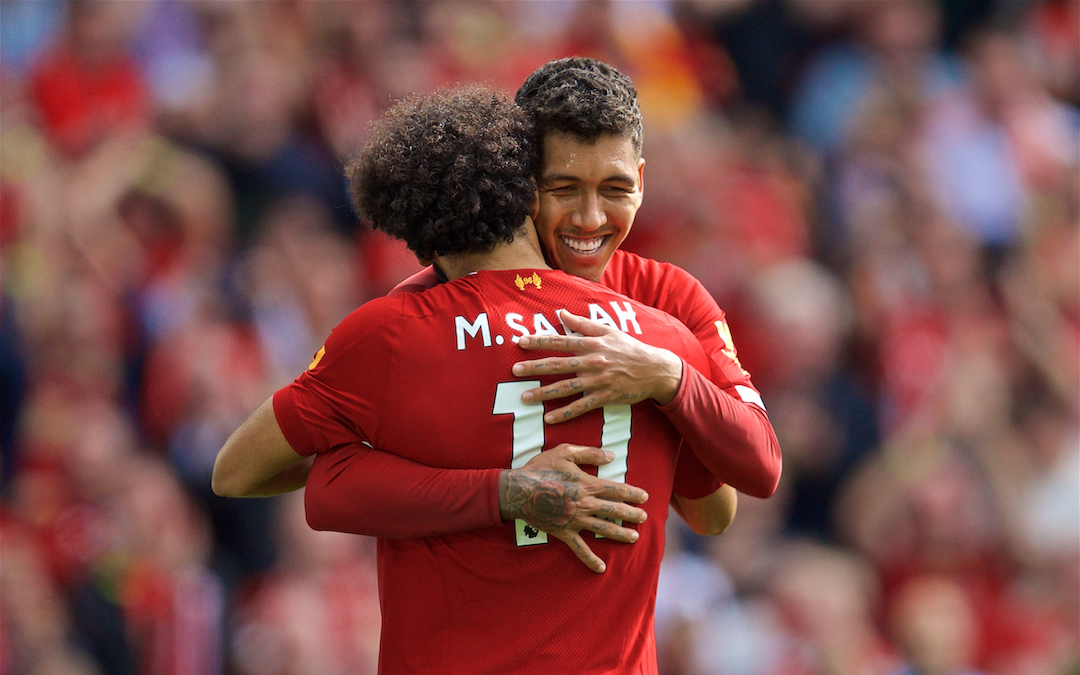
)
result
[(477, 331)]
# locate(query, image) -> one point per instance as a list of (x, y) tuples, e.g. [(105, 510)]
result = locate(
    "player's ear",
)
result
[(534, 210)]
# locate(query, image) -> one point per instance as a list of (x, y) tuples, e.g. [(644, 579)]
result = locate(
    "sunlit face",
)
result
[(589, 195)]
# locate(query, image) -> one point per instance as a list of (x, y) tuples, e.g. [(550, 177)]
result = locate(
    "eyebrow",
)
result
[(619, 178)]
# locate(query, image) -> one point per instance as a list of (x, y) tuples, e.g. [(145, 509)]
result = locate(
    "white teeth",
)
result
[(584, 245)]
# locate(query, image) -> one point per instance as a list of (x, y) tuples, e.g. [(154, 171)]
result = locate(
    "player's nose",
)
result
[(590, 213)]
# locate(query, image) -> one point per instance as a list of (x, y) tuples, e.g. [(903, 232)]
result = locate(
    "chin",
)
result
[(586, 269), (590, 273)]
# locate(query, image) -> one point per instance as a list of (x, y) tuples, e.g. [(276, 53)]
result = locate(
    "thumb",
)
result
[(582, 455), (581, 325)]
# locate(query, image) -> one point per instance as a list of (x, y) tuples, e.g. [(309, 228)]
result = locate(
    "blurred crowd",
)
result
[(884, 196)]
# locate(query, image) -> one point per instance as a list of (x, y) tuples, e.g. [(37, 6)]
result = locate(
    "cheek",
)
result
[(622, 219)]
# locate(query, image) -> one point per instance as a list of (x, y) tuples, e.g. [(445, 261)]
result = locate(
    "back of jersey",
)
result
[(438, 389)]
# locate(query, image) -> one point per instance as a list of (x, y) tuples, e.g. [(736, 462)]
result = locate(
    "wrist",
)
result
[(504, 503), (670, 378)]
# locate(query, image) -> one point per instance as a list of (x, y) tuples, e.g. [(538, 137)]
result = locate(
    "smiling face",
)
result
[(589, 195)]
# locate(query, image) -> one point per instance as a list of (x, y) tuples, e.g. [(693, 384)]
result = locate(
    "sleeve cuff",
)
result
[(680, 395), (289, 421), (491, 488)]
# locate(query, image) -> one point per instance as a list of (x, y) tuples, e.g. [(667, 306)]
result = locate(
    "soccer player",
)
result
[(450, 174), (591, 181)]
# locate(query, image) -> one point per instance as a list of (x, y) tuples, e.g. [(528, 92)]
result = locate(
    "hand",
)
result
[(553, 494), (611, 367)]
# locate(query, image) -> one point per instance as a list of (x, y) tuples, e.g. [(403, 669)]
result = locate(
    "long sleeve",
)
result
[(711, 410), (362, 491), (732, 438)]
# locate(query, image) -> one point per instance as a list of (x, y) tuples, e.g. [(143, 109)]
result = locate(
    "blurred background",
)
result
[(884, 196)]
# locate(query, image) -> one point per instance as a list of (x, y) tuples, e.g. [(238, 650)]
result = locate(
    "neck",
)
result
[(522, 253)]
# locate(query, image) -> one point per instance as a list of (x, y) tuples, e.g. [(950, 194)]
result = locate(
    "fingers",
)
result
[(621, 492), (554, 365), (553, 343), (582, 454), (560, 389), (580, 324), (609, 530), (608, 511), (603, 490), (575, 409), (582, 551)]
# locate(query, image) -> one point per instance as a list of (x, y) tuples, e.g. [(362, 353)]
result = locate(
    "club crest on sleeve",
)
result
[(521, 283), (729, 344), (318, 357)]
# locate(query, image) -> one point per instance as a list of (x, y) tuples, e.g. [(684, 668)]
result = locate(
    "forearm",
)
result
[(291, 479), (734, 439), (709, 515), (358, 490), (257, 460)]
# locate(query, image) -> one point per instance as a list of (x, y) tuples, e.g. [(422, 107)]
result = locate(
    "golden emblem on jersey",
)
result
[(318, 357), (729, 344), (521, 283)]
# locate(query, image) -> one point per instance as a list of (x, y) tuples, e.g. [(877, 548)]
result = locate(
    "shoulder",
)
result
[(659, 284), (367, 318), (421, 281), (632, 271)]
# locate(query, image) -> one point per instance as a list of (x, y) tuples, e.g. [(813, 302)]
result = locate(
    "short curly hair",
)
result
[(582, 97), (447, 172)]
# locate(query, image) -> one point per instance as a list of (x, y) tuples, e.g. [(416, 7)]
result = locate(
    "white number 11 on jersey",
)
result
[(529, 441)]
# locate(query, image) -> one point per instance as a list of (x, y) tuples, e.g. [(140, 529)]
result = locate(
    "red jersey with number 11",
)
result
[(427, 376)]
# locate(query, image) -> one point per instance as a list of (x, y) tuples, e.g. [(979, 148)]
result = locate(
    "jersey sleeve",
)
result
[(359, 490), (332, 410), (717, 410), (734, 439), (693, 480), (337, 400)]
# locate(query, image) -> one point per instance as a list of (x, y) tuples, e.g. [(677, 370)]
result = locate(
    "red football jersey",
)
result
[(743, 450), (499, 599), (734, 442)]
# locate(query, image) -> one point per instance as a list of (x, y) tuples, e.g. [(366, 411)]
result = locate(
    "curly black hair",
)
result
[(447, 172), (582, 97)]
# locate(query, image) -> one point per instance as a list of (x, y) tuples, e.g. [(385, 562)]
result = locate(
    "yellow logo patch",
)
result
[(534, 280), (729, 344), (318, 357)]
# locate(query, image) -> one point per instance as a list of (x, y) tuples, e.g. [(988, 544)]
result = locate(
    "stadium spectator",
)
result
[(94, 279)]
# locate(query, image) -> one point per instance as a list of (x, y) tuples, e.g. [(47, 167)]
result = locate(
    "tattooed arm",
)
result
[(554, 495), (361, 490)]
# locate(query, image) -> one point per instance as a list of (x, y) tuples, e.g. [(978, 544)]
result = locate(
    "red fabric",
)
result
[(399, 494), (82, 103), (446, 600), (733, 438), (734, 450), (421, 281)]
